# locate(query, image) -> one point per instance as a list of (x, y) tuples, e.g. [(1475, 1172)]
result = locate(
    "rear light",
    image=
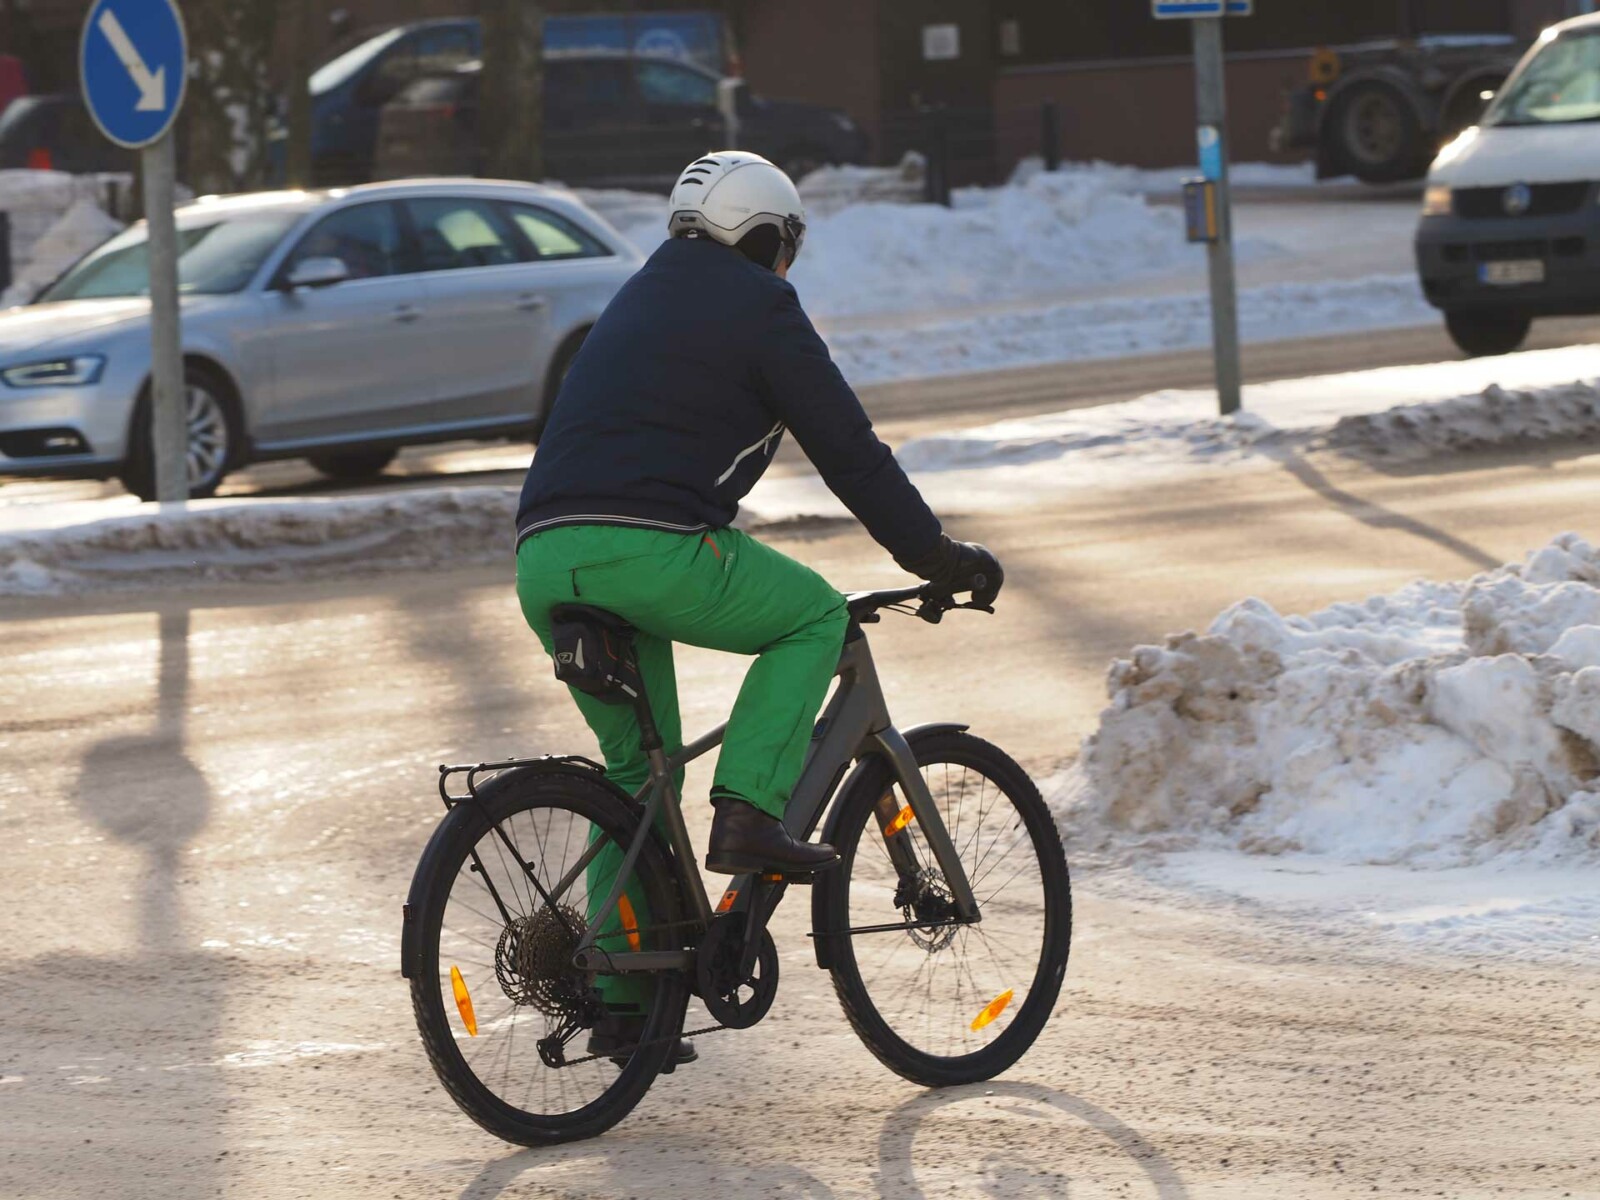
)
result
[(39, 159)]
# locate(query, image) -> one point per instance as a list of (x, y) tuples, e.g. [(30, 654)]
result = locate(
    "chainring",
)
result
[(732, 1001)]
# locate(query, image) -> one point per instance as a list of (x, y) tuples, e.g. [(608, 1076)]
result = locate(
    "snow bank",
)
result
[(1117, 328), (53, 216), (1391, 414), (256, 540), (1441, 725), (1049, 234)]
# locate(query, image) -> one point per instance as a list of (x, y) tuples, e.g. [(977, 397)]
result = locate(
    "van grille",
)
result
[(1546, 200)]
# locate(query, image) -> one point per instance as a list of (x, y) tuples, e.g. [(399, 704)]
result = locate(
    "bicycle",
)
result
[(964, 918)]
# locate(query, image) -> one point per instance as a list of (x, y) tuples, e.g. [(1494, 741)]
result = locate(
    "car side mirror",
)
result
[(318, 272)]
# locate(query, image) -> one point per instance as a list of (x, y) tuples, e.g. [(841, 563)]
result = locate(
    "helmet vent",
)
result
[(687, 182), (706, 162)]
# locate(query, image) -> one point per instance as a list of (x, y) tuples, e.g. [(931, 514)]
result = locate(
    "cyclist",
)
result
[(669, 415)]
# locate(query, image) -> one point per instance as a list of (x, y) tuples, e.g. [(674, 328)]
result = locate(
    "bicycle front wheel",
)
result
[(502, 896), (946, 1003)]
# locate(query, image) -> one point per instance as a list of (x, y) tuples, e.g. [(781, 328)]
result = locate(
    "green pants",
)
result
[(725, 591)]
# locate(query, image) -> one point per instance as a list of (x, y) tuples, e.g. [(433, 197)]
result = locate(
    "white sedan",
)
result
[(336, 326)]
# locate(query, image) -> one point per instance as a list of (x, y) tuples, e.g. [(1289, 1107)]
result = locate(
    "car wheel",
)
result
[(352, 464), (1377, 134), (560, 366), (1484, 333), (215, 436)]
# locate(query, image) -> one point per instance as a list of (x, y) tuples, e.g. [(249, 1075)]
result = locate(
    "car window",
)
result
[(442, 49), (1560, 84), (214, 257), (350, 64), (456, 232), (554, 236), (670, 83), (576, 92), (366, 238)]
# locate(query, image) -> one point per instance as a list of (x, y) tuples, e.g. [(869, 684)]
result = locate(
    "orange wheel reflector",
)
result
[(629, 924), (458, 985), (901, 820), (992, 1010)]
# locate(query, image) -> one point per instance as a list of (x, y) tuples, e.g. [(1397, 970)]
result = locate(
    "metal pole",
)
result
[(1212, 110), (169, 432)]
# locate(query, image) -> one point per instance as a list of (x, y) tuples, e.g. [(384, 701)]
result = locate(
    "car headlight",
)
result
[(56, 372), (1436, 201)]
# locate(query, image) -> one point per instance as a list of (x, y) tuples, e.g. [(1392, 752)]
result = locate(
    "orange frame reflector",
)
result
[(728, 897), (629, 924), (992, 1010), (458, 985), (901, 820)]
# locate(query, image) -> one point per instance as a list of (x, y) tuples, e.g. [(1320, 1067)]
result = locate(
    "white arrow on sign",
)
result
[(152, 87)]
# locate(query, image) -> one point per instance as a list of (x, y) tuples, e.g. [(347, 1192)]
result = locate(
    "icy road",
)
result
[(213, 800)]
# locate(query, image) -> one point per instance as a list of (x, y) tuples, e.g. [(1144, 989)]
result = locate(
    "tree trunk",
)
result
[(302, 15), (511, 109)]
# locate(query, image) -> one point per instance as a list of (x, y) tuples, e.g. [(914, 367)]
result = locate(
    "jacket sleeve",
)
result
[(808, 394)]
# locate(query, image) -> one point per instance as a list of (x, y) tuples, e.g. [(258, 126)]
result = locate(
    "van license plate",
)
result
[(1512, 272)]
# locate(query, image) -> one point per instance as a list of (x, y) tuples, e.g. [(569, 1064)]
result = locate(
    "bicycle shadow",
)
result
[(650, 1169), (1006, 1172)]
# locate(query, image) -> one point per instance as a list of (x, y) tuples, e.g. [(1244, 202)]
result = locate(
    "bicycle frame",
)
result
[(854, 724)]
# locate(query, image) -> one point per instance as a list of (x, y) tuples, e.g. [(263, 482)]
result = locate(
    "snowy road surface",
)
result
[(199, 972)]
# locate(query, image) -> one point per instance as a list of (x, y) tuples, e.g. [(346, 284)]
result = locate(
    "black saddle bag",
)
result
[(594, 653)]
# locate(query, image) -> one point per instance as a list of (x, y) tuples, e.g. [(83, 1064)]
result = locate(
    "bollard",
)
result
[(938, 132), (1050, 135)]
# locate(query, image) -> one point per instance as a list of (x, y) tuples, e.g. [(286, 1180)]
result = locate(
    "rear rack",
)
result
[(472, 771)]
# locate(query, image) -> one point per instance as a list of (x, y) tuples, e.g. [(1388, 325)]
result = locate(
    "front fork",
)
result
[(893, 823)]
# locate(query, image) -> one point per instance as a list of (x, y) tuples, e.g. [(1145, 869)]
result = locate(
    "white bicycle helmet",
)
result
[(729, 194)]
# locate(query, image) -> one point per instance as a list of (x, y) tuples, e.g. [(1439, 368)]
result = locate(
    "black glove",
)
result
[(960, 567)]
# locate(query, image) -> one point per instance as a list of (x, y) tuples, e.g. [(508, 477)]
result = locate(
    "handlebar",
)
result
[(932, 603)]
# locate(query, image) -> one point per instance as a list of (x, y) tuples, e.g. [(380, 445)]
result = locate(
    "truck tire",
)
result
[(1376, 134), (1484, 333)]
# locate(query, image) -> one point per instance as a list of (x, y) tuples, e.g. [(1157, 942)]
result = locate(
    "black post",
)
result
[(1050, 135), (938, 130)]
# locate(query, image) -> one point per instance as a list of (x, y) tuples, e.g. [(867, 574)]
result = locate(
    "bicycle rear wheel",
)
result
[(948, 1003), (500, 900)]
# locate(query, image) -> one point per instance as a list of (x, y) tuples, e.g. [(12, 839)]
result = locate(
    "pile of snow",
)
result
[(829, 189), (1051, 233), (79, 230), (1017, 336), (55, 217), (1441, 725)]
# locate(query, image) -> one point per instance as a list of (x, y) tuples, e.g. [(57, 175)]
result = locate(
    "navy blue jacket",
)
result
[(677, 401)]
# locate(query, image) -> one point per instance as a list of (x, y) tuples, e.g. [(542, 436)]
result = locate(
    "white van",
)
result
[(1510, 225)]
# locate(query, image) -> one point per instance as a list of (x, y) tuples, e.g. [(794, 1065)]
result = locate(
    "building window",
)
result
[(1011, 38), (941, 42)]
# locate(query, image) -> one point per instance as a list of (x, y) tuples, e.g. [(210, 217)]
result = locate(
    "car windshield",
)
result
[(215, 255), (340, 70), (1559, 85)]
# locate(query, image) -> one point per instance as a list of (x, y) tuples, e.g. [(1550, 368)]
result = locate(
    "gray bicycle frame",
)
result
[(854, 724)]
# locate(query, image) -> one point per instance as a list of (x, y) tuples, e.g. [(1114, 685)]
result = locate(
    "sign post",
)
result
[(1211, 112), (133, 62)]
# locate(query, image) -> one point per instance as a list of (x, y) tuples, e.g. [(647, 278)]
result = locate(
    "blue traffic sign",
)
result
[(1168, 9), (132, 59)]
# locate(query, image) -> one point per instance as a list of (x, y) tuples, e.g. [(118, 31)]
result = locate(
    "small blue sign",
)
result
[(1209, 138), (133, 60), (1168, 9)]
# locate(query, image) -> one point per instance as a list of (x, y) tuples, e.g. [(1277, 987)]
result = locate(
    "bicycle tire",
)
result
[(856, 808), (500, 800)]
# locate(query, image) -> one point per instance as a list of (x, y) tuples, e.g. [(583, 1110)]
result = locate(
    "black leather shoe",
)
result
[(746, 840), (621, 1032)]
